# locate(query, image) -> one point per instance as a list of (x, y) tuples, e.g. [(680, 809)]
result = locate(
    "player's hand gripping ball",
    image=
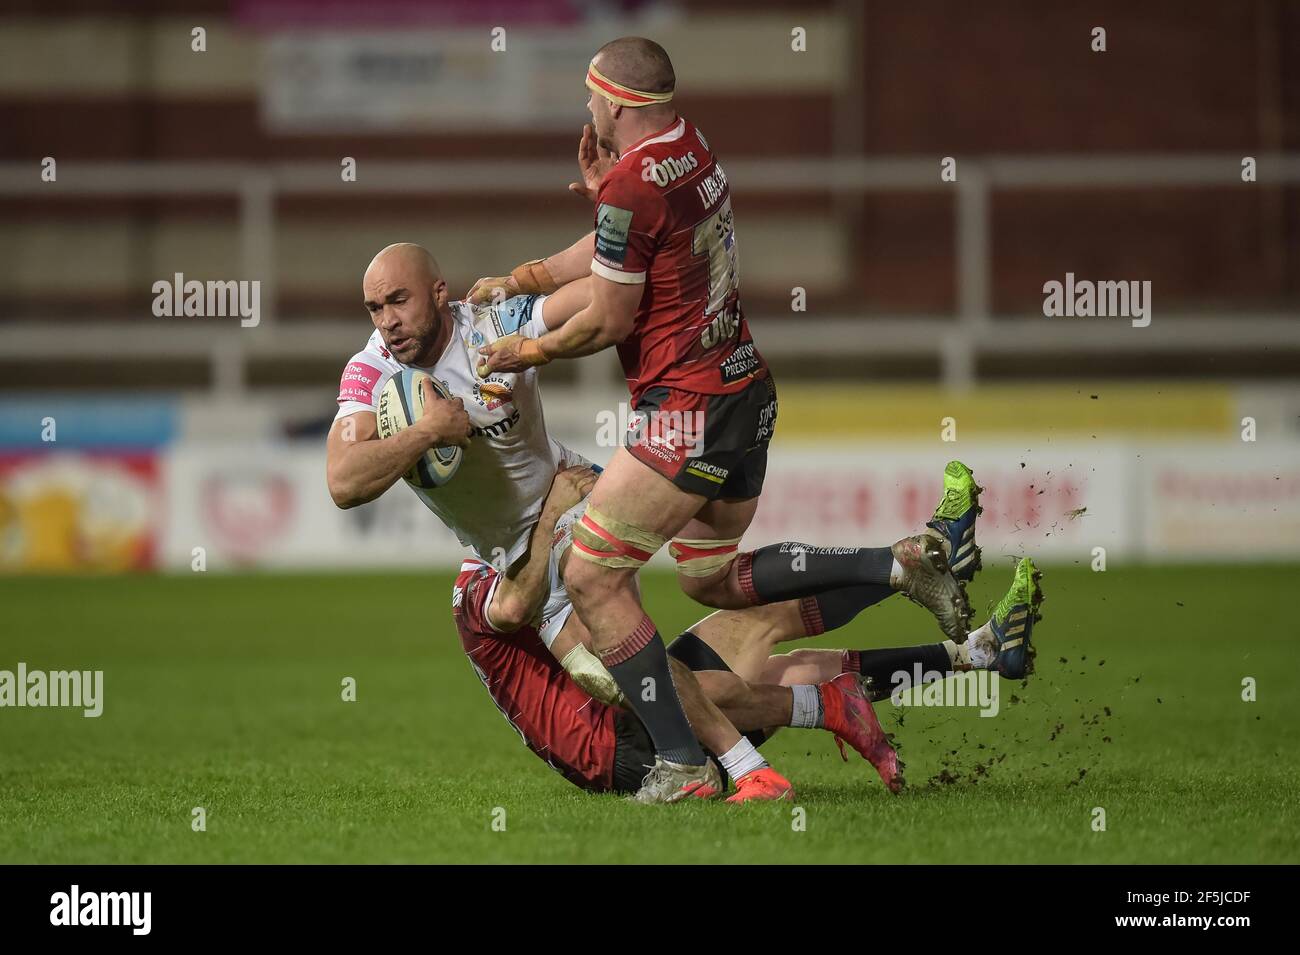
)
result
[(402, 404)]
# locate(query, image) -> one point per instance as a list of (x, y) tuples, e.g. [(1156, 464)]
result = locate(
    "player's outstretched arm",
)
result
[(538, 277), (574, 262), (523, 588), (566, 302), (359, 466), (605, 322)]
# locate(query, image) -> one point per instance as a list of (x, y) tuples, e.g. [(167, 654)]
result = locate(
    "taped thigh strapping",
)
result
[(702, 558), (610, 542)]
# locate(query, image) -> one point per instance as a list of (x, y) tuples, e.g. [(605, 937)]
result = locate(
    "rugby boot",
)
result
[(928, 580), (847, 713), (954, 519), (1006, 636), (671, 782), (762, 785)]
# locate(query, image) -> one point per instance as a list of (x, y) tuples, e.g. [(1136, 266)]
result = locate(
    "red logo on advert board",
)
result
[(246, 512)]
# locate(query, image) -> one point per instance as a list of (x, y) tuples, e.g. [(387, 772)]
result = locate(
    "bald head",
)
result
[(637, 62), (408, 258), (406, 296)]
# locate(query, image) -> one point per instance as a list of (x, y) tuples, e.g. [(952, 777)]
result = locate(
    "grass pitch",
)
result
[(224, 692)]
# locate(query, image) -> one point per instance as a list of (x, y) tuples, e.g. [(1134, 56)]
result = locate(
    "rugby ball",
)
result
[(401, 404)]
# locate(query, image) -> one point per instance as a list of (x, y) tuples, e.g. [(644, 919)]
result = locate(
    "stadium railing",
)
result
[(955, 341)]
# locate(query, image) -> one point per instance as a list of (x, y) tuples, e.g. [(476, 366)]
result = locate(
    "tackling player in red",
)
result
[(663, 261), (569, 710), (572, 715)]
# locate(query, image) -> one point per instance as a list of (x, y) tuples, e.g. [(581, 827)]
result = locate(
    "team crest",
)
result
[(493, 392)]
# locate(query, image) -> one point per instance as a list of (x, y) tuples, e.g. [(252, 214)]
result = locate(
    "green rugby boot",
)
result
[(1005, 637), (954, 519)]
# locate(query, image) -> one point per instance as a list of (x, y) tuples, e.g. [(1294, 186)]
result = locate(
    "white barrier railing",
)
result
[(955, 341)]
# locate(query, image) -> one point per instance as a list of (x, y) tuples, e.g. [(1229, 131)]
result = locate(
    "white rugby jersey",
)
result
[(496, 496)]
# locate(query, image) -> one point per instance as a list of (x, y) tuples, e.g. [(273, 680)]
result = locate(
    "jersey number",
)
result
[(716, 238)]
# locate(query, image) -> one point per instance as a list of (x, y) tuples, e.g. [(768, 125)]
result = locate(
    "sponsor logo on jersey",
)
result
[(612, 228), (358, 382), (741, 362), (667, 170), (498, 428)]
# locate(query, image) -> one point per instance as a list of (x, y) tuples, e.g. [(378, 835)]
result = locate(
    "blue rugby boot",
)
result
[(1003, 642), (954, 519)]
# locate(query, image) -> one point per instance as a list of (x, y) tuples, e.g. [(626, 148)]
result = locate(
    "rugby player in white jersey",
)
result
[(509, 460)]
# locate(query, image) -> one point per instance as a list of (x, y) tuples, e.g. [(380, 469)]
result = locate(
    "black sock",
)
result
[(833, 609), (786, 571), (885, 668), (642, 656)]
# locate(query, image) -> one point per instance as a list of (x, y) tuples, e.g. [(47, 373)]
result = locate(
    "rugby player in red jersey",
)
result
[(570, 712), (664, 274)]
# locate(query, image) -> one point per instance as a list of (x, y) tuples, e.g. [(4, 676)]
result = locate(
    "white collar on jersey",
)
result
[(673, 133)]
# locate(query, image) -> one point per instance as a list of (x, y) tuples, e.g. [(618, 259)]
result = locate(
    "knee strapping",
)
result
[(702, 558), (609, 542)]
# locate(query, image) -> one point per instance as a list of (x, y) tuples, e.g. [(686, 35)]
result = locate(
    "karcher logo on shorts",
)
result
[(710, 472)]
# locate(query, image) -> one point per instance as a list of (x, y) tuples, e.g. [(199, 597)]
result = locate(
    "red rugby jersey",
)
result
[(557, 719), (663, 218)]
